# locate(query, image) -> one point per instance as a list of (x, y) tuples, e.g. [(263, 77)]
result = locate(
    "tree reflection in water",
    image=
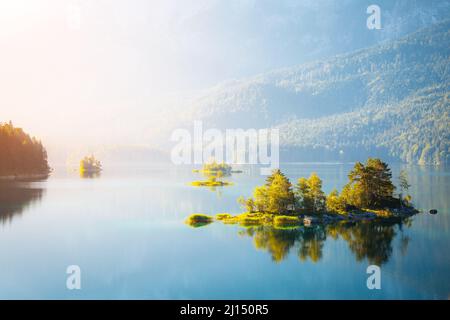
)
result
[(90, 175), (366, 239), (15, 197)]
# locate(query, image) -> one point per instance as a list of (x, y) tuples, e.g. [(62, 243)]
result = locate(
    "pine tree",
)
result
[(334, 202), (276, 172), (310, 196), (369, 185), (302, 193), (280, 195), (315, 193), (275, 196), (404, 187)]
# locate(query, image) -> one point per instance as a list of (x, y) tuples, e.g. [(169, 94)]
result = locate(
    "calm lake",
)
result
[(126, 231)]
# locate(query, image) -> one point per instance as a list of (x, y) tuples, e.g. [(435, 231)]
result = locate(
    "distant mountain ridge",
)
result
[(392, 99)]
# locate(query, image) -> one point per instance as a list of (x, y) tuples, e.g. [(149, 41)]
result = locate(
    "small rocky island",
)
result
[(368, 195)]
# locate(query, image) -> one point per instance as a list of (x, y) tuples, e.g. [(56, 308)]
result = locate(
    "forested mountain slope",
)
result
[(392, 98)]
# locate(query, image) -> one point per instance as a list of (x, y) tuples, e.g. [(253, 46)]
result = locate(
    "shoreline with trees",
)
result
[(368, 195), (22, 156)]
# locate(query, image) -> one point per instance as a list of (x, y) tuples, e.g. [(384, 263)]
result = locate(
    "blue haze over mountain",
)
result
[(390, 100), (254, 36), (310, 67)]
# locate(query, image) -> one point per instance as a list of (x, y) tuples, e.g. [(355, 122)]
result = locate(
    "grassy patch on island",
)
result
[(223, 216), (286, 220)]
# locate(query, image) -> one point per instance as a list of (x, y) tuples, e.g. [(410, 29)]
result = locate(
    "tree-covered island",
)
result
[(369, 194), (213, 180), (89, 165), (213, 168), (214, 172)]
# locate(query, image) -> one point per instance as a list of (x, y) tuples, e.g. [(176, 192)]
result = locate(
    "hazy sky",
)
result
[(78, 72)]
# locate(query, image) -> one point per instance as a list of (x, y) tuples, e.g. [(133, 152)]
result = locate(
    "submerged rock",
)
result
[(308, 220)]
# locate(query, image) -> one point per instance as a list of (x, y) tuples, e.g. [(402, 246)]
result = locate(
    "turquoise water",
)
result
[(125, 230)]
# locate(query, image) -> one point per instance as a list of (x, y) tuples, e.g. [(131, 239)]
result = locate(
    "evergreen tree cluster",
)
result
[(369, 187), (90, 164), (213, 166), (21, 154)]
